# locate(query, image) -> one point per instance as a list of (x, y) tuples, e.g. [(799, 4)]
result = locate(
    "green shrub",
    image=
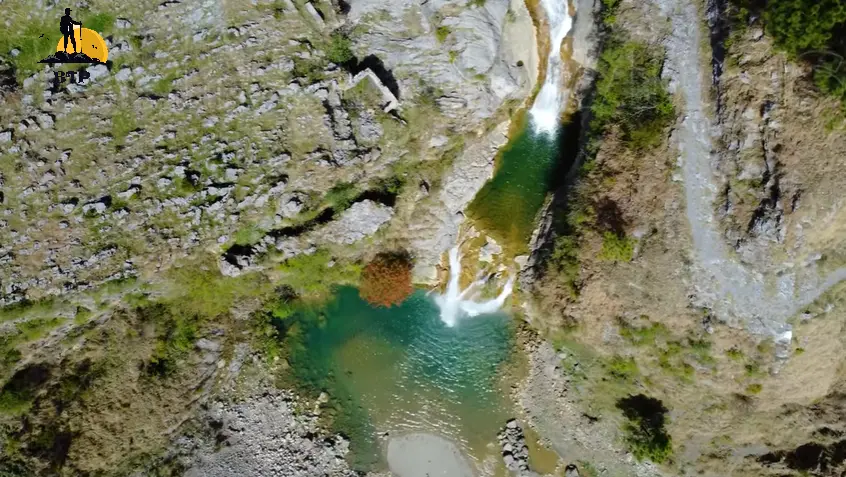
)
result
[(339, 50), (631, 95), (616, 248), (341, 196), (798, 26), (754, 388), (564, 263), (645, 433), (810, 30)]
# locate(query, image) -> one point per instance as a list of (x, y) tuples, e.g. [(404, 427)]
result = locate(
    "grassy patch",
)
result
[(123, 122), (311, 70), (442, 33), (621, 368), (202, 291), (102, 23), (32, 330), (313, 277), (341, 195), (616, 248), (248, 235)]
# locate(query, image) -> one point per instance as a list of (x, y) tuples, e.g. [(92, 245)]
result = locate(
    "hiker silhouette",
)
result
[(66, 27)]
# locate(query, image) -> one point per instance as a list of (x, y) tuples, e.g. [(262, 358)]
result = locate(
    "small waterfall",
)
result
[(455, 303), (546, 111)]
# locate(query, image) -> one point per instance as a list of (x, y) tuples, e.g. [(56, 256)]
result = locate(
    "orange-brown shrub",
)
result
[(386, 280)]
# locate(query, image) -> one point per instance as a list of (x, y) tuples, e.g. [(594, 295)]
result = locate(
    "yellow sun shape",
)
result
[(87, 41)]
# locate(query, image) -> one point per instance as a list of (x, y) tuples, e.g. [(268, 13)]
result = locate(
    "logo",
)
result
[(77, 45)]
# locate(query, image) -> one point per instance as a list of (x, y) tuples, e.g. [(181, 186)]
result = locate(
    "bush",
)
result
[(386, 280), (798, 26), (564, 262), (645, 433), (339, 50), (631, 94)]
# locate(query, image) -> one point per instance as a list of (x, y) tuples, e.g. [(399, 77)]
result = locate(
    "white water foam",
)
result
[(546, 111), (455, 303)]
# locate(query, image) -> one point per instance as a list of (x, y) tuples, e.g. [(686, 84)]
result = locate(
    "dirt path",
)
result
[(737, 294)]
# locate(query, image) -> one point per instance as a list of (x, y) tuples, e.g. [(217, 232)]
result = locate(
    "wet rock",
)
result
[(515, 453)]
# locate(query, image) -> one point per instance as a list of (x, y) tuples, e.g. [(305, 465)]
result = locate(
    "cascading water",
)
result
[(546, 111), (455, 303)]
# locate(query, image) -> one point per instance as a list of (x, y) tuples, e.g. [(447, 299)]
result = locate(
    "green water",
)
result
[(507, 205), (400, 369)]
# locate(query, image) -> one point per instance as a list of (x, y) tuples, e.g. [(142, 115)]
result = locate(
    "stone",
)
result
[(362, 219), (97, 72), (315, 15), (123, 75), (6, 136)]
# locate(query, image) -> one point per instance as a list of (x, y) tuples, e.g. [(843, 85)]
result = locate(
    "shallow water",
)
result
[(507, 205), (401, 369)]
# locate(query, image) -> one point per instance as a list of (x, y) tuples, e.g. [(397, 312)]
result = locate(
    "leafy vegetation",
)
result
[(630, 93), (386, 280), (621, 368), (312, 277), (564, 263), (645, 433), (810, 30), (339, 49), (34, 39), (608, 12), (311, 70), (442, 33), (341, 196), (616, 248)]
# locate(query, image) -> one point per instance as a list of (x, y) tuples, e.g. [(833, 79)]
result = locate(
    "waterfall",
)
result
[(546, 111), (455, 303)]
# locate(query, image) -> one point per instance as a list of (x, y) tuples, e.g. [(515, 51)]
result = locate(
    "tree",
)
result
[(386, 280)]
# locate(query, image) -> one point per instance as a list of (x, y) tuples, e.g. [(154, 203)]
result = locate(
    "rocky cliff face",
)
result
[(234, 134), (239, 135)]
